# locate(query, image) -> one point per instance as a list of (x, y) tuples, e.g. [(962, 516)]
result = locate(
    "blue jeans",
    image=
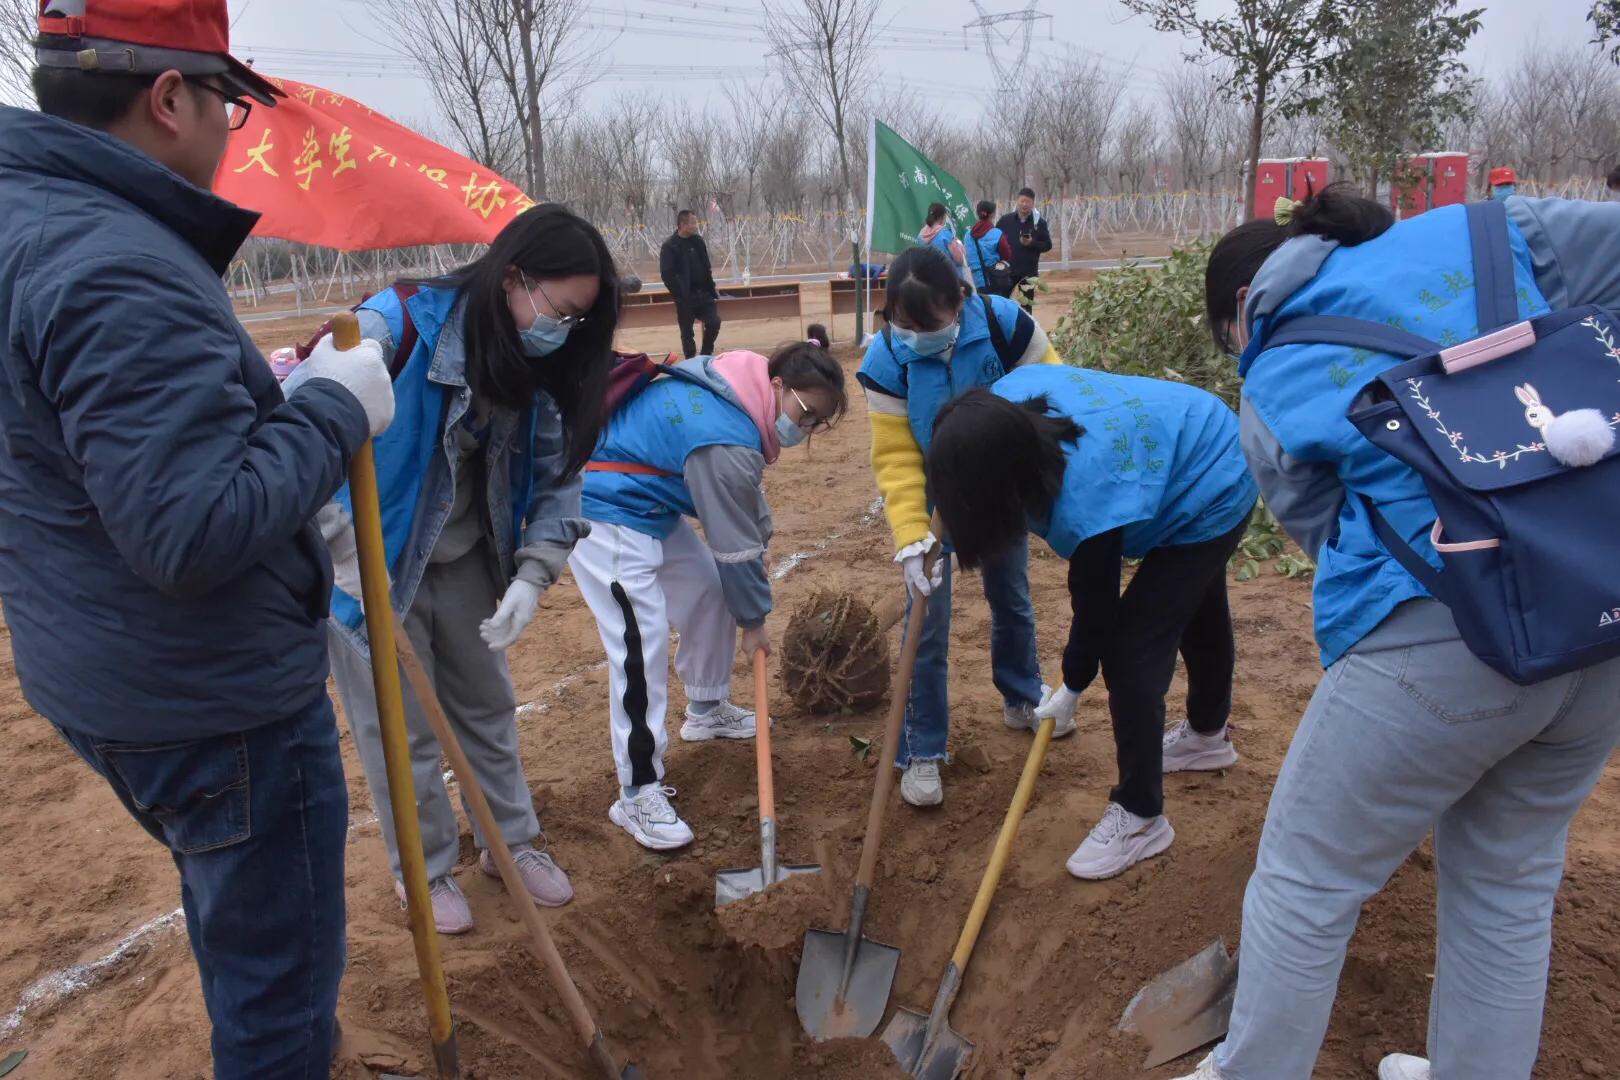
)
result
[(257, 824), (1014, 665), (1402, 738)]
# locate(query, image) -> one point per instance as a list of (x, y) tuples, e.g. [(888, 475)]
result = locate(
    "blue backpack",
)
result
[(1513, 434)]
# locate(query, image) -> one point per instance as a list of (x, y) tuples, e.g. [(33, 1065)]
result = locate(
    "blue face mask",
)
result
[(548, 334), (927, 342), (788, 433)]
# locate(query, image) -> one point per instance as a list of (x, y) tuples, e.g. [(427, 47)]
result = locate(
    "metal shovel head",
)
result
[(907, 1036), (1187, 1007), (871, 979), (732, 885)]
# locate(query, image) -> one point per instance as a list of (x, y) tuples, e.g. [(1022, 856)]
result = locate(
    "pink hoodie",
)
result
[(748, 375)]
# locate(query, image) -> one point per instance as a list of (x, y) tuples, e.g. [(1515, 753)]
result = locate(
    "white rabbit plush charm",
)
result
[(1577, 439)]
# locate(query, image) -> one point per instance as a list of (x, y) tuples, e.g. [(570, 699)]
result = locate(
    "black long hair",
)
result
[(808, 365), (1335, 212), (544, 242), (992, 466), (920, 280), (936, 213)]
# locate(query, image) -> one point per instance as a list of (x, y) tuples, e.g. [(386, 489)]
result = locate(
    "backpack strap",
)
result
[(998, 337), (1355, 333), (1495, 295), (1402, 552), (408, 335)]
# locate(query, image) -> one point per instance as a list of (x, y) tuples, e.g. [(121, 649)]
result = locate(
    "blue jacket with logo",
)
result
[(532, 510), (1417, 276), (1158, 459), (159, 570)]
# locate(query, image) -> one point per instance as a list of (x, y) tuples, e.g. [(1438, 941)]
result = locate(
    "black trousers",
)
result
[(1175, 603), (708, 313)]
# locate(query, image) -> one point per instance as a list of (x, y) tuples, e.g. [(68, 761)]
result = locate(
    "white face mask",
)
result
[(927, 342)]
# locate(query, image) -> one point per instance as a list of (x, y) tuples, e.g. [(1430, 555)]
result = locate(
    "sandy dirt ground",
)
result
[(96, 979)]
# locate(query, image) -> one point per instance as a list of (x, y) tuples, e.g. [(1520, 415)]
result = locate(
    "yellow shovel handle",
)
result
[(391, 719), (1004, 843)]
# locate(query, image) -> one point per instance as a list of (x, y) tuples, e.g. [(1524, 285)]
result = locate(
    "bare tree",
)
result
[(687, 141), (1136, 148), (17, 30), (628, 136), (1079, 108), (825, 50), (784, 162), (754, 113)]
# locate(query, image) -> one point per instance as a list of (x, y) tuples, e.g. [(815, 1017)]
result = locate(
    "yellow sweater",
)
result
[(897, 460)]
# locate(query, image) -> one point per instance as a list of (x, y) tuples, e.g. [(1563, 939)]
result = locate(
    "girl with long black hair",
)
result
[(500, 371)]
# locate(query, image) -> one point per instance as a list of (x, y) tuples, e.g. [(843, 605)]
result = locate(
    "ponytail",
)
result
[(1338, 213), (809, 365)]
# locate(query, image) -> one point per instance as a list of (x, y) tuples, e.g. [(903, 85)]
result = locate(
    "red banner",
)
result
[(324, 169)]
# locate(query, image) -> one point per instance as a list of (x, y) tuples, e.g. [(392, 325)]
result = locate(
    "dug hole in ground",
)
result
[(696, 995)]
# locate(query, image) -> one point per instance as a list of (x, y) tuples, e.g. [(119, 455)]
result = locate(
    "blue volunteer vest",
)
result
[(1159, 459), (1418, 276), (982, 252), (943, 239), (928, 382), (660, 426)]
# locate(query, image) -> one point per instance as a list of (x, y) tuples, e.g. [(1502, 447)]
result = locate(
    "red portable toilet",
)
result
[(1308, 175), (1448, 178), (1409, 190), (1271, 182)]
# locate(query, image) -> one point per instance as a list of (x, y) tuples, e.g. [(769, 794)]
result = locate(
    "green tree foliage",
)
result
[(1394, 78), (1605, 20), (1149, 320)]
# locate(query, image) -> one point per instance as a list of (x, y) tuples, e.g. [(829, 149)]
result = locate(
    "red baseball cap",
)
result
[(148, 37), (1503, 174)]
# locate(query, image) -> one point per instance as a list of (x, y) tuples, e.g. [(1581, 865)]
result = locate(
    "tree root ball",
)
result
[(835, 656)]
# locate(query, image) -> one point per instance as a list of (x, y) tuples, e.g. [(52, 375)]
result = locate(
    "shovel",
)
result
[(845, 977), (732, 885), (1187, 1007), (540, 940), (927, 1047)]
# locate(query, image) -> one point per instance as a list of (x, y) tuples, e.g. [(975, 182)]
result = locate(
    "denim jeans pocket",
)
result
[(1455, 685), (197, 790)]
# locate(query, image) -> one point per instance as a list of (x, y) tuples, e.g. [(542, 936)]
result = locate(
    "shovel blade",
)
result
[(1186, 1007), (907, 1037), (732, 885), (871, 978)]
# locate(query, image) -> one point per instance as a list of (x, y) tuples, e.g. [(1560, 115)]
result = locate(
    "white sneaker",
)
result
[(1403, 1067), (1185, 750), (1119, 842), (724, 721), (1206, 1071), (651, 819), (920, 784), (1022, 718)]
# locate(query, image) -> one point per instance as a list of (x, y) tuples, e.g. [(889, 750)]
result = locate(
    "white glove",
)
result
[(360, 370), (1058, 704), (755, 638), (502, 629), (338, 531), (912, 559)]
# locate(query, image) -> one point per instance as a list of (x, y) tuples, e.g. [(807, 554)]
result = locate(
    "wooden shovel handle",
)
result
[(762, 742)]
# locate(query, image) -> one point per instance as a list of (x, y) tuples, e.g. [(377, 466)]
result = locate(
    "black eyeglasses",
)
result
[(243, 106)]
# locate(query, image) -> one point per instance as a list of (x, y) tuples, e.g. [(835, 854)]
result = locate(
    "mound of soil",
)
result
[(835, 655)]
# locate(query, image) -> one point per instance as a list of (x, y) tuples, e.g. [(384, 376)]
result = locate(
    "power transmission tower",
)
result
[(1012, 28)]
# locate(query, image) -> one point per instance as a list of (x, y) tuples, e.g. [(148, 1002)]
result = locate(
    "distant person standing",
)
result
[(683, 263), (1028, 238), (937, 232), (989, 255)]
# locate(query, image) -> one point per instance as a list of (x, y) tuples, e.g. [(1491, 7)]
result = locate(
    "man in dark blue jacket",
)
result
[(164, 587)]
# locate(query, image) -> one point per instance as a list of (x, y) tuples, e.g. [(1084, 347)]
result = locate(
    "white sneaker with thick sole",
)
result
[(1119, 842), (920, 784), (1206, 1071), (1022, 718), (1187, 751), (651, 819), (1403, 1067), (724, 721)]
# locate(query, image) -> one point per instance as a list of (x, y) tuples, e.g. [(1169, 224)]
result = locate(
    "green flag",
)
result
[(900, 183)]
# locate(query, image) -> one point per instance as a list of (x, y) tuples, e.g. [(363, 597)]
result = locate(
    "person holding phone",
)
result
[(1028, 240)]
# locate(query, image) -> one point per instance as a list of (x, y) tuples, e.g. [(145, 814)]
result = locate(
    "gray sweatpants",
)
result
[(475, 688), (1406, 735)]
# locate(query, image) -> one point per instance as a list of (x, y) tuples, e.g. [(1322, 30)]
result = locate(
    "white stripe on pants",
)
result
[(475, 688), (638, 588)]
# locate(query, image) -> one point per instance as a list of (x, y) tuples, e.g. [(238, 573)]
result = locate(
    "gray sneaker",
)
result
[(542, 877), (1022, 718), (451, 912)]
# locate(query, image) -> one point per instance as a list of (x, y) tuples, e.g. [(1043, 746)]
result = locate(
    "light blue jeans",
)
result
[(1409, 734), (1014, 666)]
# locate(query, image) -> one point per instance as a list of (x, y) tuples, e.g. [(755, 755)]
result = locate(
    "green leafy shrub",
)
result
[(1149, 320)]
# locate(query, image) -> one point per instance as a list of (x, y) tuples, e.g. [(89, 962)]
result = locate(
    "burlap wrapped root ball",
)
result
[(835, 656)]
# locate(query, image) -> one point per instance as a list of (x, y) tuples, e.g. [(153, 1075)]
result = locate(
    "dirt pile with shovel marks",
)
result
[(107, 988)]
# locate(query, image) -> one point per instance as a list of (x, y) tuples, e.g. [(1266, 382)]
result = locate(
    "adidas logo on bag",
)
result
[(1609, 618)]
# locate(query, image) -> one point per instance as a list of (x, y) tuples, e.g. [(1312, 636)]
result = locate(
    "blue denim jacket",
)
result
[(533, 512)]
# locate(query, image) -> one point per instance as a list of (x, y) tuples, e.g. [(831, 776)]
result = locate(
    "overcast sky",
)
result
[(684, 49)]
